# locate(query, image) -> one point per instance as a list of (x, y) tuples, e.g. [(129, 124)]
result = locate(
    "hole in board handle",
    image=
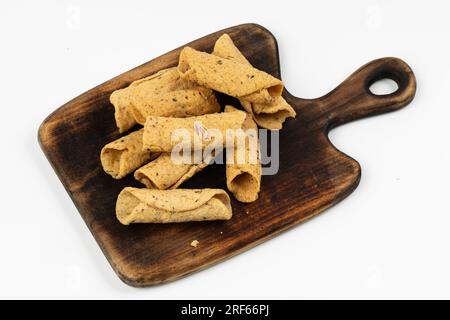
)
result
[(383, 87)]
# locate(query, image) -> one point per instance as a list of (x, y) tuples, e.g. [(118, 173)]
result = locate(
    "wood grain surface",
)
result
[(313, 174)]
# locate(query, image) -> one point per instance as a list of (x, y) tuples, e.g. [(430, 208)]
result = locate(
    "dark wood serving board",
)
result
[(313, 174)]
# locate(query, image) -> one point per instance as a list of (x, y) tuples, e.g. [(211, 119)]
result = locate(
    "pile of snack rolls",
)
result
[(184, 97)]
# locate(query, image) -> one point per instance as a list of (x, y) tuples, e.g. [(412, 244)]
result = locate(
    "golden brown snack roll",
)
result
[(178, 104), (162, 94), (269, 115), (165, 80), (227, 76), (244, 179), (162, 134), (163, 173), (124, 155), (166, 206)]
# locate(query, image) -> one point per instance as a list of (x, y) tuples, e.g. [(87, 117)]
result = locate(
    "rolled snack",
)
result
[(267, 115), (244, 176), (165, 206), (163, 173), (124, 155), (179, 104), (161, 94), (162, 134), (227, 76), (163, 81), (272, 116)]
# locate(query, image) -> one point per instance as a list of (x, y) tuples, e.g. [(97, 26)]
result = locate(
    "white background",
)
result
[(389, 239)]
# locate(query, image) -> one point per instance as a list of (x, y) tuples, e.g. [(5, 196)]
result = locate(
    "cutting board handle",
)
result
[(352, 99)]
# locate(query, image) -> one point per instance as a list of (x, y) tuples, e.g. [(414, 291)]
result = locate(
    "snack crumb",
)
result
[(194, 243)]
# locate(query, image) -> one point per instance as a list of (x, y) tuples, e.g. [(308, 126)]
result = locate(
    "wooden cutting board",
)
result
[(313, 174)]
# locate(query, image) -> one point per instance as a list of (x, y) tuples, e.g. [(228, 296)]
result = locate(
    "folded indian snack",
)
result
[(125, 155), (243, 169), (269, 115), (165, 206)]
